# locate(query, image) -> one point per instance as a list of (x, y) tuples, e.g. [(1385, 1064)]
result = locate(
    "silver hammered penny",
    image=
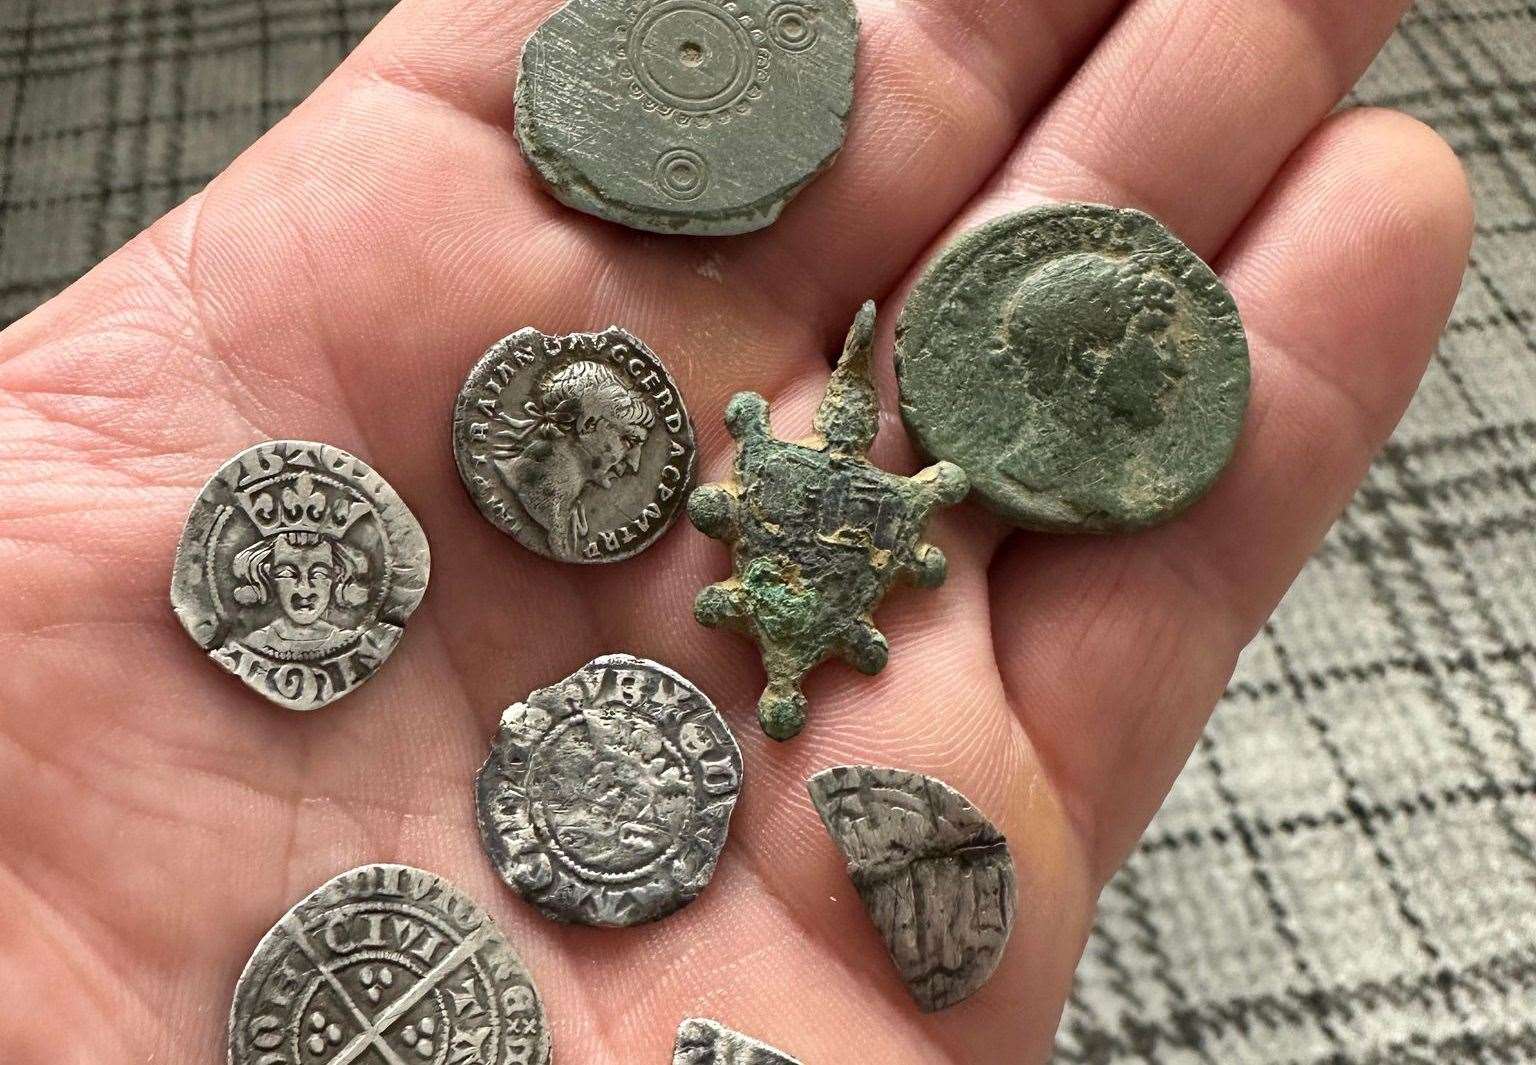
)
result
[(386, 965), (297, 569), (579, 446), (933, 873), (701, 1041), (607, 797)]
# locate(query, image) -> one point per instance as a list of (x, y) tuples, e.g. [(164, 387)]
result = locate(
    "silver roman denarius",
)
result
[(935, 875), (386, 965), (297, 569), (578, 446), (607, 796)]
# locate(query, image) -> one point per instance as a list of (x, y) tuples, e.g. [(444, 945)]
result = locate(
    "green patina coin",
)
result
[(1086, 369), (686, 116)]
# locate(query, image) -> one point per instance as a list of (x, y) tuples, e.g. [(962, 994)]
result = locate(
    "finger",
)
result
[(1188, 107), (1344, 275), (943, 88), (364, 252)]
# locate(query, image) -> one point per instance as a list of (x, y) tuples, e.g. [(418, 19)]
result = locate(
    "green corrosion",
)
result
[(817, 534)]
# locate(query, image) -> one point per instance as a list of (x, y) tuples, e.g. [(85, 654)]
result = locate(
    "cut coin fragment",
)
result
[(935, 875), (706, 1042)]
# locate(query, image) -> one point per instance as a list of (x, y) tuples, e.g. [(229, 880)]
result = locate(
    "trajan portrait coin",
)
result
[(386, 965), (686, 116), (1082, 365), (297, 569), (607, 796), (579, 446)]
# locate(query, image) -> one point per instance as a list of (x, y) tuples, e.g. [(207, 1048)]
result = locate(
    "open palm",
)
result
[(335, 284)]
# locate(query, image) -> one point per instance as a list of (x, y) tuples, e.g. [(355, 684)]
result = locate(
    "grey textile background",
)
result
[(1345, 872)]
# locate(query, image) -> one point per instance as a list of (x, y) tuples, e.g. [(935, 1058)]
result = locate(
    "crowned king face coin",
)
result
[(578, 446), (607, 796), (297, 569), (386, 965)]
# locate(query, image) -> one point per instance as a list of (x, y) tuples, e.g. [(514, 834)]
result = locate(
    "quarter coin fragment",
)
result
[(386, 964), (686, 116), (935, 875), (607, 796), (1081, 364), (579, 447), (705, 1042), (297, 569)]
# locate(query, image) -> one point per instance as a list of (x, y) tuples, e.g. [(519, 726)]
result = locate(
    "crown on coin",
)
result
[(300, 506)]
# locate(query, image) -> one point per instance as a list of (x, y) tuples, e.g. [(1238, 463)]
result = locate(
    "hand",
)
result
[(336, 283)]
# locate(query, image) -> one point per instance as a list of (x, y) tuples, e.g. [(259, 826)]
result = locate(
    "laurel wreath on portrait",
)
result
[(533, 433)]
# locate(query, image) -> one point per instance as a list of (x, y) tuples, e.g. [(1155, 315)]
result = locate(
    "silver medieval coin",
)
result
[(607, 797), (686, 116), (706, 1042), (577, 446), (297, 569), (386, 965), (934, 875)]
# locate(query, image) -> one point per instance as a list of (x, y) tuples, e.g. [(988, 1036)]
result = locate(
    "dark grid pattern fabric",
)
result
[(1345, 872), (113, 111)]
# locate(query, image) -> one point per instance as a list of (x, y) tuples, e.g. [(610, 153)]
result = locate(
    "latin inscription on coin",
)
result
[(386, 965), (297, 569), (705, 1042), (1082, 365), (577, 446), (607, 796), (935, 875), (686, 116)]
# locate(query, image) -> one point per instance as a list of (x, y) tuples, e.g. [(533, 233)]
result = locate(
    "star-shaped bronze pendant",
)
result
[(817, 534)]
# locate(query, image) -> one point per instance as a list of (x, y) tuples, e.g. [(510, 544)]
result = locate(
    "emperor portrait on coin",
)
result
[(607, 797), (1080, 363), (297, 568), (577, 446), (386, 965)]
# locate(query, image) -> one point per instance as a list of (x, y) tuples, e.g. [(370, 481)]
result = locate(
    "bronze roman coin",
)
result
[(1082, 365)]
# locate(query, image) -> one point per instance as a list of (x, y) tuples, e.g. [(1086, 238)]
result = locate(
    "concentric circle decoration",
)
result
[(792, 26), (691, 55), (682, 173)]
